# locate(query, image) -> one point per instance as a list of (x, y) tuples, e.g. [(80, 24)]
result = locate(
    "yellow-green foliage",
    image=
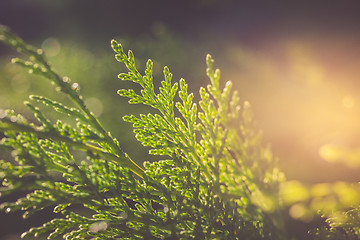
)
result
[(215, 179)]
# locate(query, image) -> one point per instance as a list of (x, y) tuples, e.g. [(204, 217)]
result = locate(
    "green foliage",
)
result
[(204, 188), (209, 145), (343, 223), (215, 179)]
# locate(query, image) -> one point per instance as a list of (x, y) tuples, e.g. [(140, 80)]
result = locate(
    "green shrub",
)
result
[(216, 180)]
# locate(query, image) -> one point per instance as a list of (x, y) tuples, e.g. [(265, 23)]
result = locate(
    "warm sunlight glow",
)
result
[(304, 91), (348, 101), (303, 65), (345, 155)]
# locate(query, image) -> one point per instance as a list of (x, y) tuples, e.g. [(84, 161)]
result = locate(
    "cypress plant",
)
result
[(216, 180)]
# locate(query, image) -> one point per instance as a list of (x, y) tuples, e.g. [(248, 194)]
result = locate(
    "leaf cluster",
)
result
[(216, 180)]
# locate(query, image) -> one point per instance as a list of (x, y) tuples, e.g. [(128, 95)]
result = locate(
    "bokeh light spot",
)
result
[(347, 195), (76, 87), (51, 47), (95, 105), (321, 190), (328, 152), (123, 215), (98, 226), (294, 191), (297, 211)]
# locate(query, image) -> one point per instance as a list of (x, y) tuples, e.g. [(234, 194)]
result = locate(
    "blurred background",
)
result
[(296, 62)]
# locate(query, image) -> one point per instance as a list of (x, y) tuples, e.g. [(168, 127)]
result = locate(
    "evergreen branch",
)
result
[(217, 180), (7, 125), (39, 65)]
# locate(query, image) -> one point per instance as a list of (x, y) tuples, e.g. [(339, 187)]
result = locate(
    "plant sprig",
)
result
[(214, 181), (38, 64)]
